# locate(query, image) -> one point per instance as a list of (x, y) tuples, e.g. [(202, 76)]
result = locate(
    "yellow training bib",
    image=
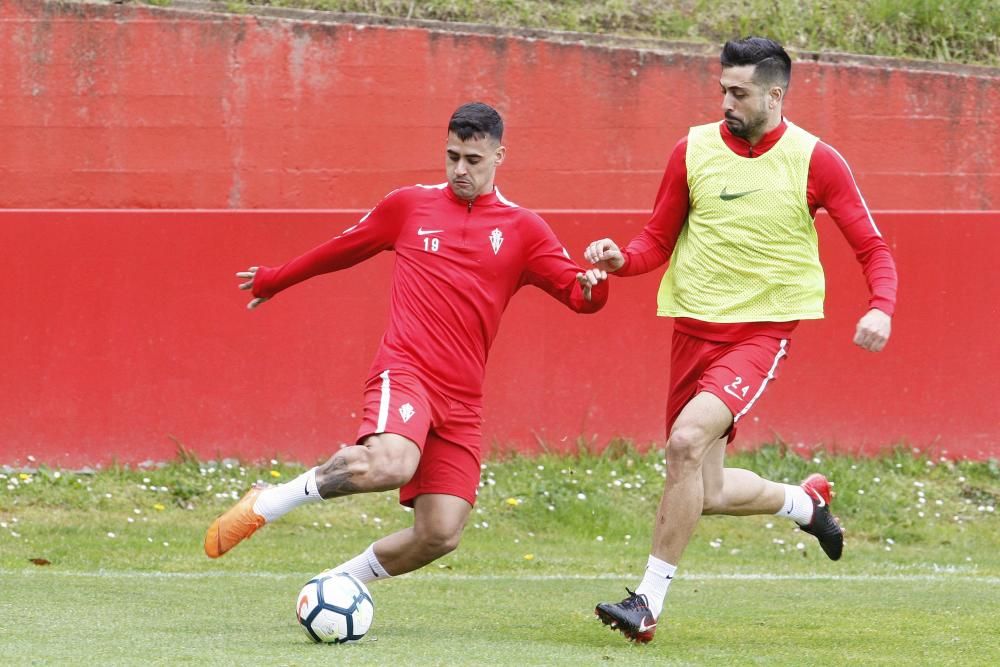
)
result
[(749, 251)]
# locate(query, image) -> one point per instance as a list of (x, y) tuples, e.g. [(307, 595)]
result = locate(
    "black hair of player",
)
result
[(773, 66), (476, 120)]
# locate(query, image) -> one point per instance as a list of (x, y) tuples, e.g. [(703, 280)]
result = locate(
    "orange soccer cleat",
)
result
[(237, 524)]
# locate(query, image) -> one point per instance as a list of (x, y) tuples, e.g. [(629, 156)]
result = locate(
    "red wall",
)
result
[(126, 329)]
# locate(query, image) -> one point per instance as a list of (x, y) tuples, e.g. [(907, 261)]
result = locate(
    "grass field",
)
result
[(127, 582)]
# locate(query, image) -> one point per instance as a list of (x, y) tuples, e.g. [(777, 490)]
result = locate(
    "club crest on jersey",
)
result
[(496, 240), (406, 411)]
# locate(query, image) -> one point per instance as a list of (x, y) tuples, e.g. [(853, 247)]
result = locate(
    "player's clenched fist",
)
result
[(589, 278), (604, 255), (872, 332)]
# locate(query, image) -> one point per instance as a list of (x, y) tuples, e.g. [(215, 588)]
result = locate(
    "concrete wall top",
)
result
[(128, 106)]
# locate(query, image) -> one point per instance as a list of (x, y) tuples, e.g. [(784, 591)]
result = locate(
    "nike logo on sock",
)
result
[(307, 488)]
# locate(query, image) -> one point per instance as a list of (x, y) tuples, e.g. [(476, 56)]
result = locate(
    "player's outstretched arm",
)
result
[(605, 255), (374, 233), (248, 285), (872, 332)]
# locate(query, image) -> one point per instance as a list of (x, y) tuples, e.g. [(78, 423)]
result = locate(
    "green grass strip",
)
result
[(127, 582), (956, 31)]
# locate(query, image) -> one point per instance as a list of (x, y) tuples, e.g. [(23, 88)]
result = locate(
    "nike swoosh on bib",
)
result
[(726, 196), (424, 232)]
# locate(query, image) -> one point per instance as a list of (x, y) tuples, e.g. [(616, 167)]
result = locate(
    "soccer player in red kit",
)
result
[(462, 251), (734, 217)]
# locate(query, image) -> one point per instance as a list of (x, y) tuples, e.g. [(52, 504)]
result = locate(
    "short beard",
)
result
[(746, 130)]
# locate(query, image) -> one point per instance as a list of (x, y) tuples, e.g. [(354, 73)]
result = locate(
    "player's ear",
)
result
[(501, 154), (776, 94)]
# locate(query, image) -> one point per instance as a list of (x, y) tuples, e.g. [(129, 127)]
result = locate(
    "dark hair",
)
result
[(772, 63), (476, 120)]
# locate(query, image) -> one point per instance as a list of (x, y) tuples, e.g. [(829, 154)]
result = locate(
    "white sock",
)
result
[(655, 583), (277, 501), (798, 505), (364, 566)]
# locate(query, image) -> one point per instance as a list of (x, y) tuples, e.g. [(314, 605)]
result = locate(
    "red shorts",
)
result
[(736, 372), (448, 433)]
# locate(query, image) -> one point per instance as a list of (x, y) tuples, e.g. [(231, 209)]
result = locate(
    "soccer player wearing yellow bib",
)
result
[(734, 217)]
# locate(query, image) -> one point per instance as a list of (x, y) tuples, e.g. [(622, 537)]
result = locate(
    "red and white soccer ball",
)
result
[(335, 608)]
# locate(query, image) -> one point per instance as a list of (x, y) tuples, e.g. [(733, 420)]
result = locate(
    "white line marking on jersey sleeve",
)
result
[(504, 200), (856, 189)]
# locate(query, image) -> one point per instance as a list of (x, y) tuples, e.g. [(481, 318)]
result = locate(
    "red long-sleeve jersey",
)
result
[(830, 186), (457, 265)]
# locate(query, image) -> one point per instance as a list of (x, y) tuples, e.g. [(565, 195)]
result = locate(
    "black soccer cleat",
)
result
[(823, 526), (631, 617)]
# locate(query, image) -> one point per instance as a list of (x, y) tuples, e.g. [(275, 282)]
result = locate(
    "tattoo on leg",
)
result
[(337, 480)]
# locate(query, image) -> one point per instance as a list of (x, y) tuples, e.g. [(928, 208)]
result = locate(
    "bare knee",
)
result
[(686, 448), (439, 540), (377, 465), (384, 466)]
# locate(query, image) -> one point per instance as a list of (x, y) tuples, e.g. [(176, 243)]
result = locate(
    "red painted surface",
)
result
[(109, 107), (124, 329)]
